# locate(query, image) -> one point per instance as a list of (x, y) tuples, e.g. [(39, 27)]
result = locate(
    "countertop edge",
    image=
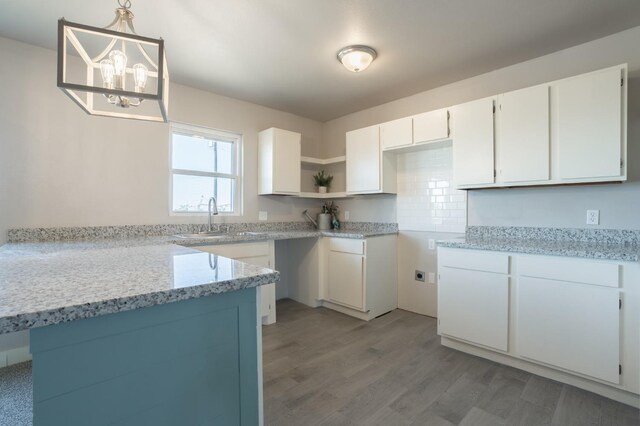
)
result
[(70, 313), (579, 253)]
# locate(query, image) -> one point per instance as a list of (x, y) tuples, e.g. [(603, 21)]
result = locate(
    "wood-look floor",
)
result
[(325, 368)]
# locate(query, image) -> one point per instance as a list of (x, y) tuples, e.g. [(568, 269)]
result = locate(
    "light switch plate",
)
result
[(432, 244), (593, 217), (262, 215), (346, 215), (432, 278)]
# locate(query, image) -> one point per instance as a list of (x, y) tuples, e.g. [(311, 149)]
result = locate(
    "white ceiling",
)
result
[(281, 53)]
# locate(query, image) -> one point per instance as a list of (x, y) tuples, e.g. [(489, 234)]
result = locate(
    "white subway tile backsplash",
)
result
[(426, 199)]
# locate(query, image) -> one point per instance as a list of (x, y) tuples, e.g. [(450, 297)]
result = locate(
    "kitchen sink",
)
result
[(207, 235), (216, 234)]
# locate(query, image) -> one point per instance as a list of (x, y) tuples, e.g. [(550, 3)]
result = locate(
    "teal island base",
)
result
[(192, 362)]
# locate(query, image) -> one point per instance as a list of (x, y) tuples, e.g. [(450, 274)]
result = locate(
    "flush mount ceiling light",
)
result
[(356, 58), (127, 72)]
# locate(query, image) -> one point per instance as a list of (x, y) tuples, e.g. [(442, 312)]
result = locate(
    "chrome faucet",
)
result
[(213, 210)]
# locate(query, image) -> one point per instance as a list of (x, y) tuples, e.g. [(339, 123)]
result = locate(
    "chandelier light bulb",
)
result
[(140, 74), (119, 60), (107, 71), (357, 58)]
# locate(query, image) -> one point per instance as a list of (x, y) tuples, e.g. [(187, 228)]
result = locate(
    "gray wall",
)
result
[(618, 204), (62, 167)]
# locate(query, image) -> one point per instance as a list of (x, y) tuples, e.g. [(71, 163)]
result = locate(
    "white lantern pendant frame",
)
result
[(67, 33)]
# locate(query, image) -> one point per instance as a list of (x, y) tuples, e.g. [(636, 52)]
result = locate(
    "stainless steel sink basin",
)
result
[(216, 234), (207, 235)]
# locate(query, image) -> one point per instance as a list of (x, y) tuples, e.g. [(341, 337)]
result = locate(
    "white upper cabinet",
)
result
[(396, 133), (279, 153), (590, 125), (368, 169), (523, 135), (473, 143), (566, 131), (363, 160), (431, 126)]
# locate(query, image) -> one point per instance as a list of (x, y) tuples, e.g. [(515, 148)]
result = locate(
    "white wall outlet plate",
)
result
[(432, 278), (262, 215), (432, 244), (346, 215), (593, 217)]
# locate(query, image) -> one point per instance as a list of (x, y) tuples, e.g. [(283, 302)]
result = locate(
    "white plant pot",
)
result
[(322, 189)]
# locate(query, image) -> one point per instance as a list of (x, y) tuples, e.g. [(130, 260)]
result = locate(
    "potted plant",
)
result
[(322, 181)]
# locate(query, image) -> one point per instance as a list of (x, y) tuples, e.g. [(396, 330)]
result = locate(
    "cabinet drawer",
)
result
[(474, 260), (237, 251), (576, 270), (346, 245)]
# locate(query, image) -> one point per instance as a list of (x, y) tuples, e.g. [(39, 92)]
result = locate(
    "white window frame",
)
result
[(236, 175)]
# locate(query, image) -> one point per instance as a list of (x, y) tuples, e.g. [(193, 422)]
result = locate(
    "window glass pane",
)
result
[(201, 154), (224, 157), (192, 193), (224, 194)]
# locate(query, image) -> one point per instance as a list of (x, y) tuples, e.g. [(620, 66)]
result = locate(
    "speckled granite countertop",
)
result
[(43, 287), (46, 278), (591, 244)]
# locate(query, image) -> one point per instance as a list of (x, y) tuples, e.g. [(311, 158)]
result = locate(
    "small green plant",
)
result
[(322, 179)]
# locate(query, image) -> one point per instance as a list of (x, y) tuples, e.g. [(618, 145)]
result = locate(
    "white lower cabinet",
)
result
[(570, 325), (360, 276), (255, 253), (474, 306), (570, 319), (346, 279)]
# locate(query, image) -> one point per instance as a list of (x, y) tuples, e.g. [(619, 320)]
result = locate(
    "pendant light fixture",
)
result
[(357, 58), (112, 71)]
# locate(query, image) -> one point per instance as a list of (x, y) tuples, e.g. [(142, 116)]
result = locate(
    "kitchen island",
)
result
[(130, 333)]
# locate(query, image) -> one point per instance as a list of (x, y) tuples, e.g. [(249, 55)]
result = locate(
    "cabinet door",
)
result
[(590, 125), (396, 133), (473, 142), (286, 162), (431, 126), (524, 135), (363, 160), (254, 254), (571, 326), (268, 291), (474, 306), (346, 274)]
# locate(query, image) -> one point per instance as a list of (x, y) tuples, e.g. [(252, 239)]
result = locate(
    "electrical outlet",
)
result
[(262, 215), (593, 217), (346, 215), (432, 278), (432, 244), (419, 275)]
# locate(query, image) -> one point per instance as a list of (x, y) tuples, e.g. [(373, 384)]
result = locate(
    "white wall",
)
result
[(62, 167)]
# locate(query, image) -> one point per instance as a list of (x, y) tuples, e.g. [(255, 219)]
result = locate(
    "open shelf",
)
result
[(322, 162), (328, 195)]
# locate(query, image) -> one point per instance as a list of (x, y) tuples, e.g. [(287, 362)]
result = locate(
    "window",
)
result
[(204, 163)]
